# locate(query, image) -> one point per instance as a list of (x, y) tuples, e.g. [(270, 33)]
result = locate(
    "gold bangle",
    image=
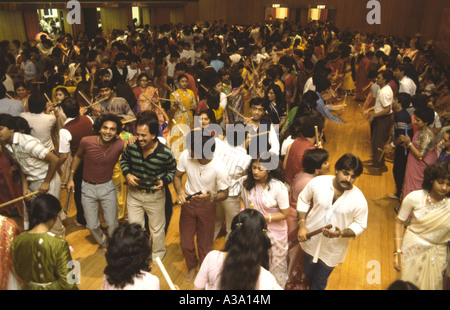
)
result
[(71, 171), (398, 252), (270, 218)]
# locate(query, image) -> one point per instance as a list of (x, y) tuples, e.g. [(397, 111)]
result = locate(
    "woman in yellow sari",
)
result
[(422, 252), (120, 181), (184, 103)]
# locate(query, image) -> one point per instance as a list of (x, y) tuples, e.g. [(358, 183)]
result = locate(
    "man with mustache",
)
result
[(149, 167), (339, 203)]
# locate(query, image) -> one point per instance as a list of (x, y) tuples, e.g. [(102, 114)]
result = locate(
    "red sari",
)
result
[(362, 79), (8, 188), (8, 231)]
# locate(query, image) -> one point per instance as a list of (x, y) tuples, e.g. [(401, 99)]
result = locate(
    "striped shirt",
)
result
[(159, 164), (29, 153)]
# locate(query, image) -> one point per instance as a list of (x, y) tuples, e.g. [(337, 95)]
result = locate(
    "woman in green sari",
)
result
[(41, 258), (422, 252)]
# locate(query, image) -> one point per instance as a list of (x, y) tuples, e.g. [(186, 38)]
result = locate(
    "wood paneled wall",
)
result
[(115, 18), (402, 17), (12, 26)]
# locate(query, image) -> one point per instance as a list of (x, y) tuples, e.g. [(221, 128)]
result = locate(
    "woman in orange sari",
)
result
[(148, 100)]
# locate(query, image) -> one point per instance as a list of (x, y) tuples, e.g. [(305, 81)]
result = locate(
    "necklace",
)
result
[(104, 152)]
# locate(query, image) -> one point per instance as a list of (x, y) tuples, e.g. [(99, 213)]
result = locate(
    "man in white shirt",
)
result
[(133, 70), (263, 135), (339, 203), (407, 85), (382, 122), (40, 120), (237, 161), (10, 106), (172, 59), (27, 67), (37, 164), (187, 55), (206, 184)]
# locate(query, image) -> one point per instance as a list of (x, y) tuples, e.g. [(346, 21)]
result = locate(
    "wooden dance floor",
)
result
[(368, 265)]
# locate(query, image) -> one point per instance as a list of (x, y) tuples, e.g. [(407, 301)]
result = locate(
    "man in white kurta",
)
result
[(331, 200)]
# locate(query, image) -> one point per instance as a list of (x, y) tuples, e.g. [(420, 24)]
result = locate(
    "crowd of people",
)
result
[(239, 112)]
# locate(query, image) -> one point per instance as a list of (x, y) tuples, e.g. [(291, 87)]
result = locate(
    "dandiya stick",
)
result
[(71, 74), (259, 134), (48, 99), (18, 199), (235, 111), (150, 100), (84, 97), (406, 134), (382, 153), (173, 120), (9, 96), (318, 231), (129, 121), (370, 84), (97, 102), (166, 275), (163, 99), (317, 134), (229, 95)]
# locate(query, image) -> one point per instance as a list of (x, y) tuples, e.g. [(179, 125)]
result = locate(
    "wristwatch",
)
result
[(213, 196)]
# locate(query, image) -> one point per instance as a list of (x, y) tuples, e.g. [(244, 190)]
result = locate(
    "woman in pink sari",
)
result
[(264, 190), (422, 150)]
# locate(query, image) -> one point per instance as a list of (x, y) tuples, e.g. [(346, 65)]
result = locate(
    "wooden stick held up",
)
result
[(97, 102), (84, 97), (129, 121), (18, 199), (317, 134), (259, 134), (235, 111)]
